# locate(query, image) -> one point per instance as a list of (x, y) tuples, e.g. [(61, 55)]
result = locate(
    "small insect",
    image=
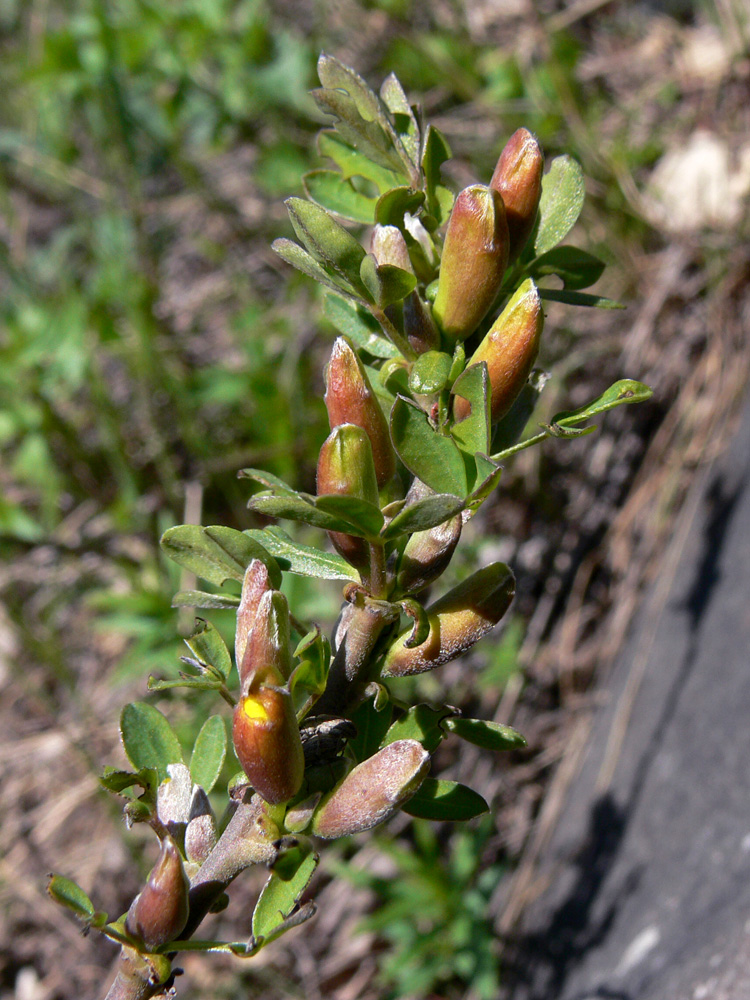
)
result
[(324, 738)]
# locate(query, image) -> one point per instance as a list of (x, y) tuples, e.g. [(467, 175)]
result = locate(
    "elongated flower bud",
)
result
[(269, 645), (349, 399), (457, 621), (254, 585), (426, 555), (373, 791), (160, 910), (346, 468), (518, 180), (267, 741), (510, 349), (475, 255)]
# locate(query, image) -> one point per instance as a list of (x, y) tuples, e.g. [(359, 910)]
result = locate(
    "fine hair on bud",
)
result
[(475, 255), (160, 910), (457, 621), (518, 180), (509, 349)]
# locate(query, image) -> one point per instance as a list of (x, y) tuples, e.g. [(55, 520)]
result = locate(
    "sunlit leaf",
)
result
[(208, 753)]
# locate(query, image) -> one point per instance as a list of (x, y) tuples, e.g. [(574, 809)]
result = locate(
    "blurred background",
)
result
[(152, 344)]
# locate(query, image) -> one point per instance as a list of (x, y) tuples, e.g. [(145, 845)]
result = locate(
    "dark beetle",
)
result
[(324, 738)]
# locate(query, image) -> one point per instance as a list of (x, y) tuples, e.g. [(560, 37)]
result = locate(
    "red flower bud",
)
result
[(510, 349), (349, 399), (160, 910), (269, 645), (345, 467), (267, 740), (254, 586), (373, 791), (475, 255), (457, 621), (518, 180)]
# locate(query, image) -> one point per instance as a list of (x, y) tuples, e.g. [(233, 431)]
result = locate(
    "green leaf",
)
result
[(386, 283), (372, 725), (328, 189), (436, 152), (280, 896), (393, 96), (426, 454), (304, 560), (208, 753), (117, 781), (391, 206), (579, 299), (425, 513), (69, 894), (472, 434), (368, 137), (215, 553), (420, 723), (326, 240), (201, 599), (352, 163), (148, 738), (209, 648), (194, 684), (488, 735), (308, 680), (298, 257), (624, 391), (430, 373), (334, 75), (269, 481), (577, 268), (361, 513), (563, 192), (488, 475), (357, 324), (306, 510), (445, 800)]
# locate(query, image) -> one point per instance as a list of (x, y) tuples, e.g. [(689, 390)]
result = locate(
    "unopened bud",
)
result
[(160, 910), (200, 835), (373, 791), (509, 349), (349, 399), (267, 741), (254, 585), (345, 467), (389, 247), (518, 180), (419, 325), (173, 798), (269, 644), (457, 621), (475, 255), (426, 555)]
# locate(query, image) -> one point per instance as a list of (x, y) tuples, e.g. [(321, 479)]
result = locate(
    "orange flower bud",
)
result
[(160, 910), (457, 621), (426, 555), (475, 255), (345, 467), (518, 180), (373, 791), (510, 349), (267, 741), (269, 644), (349, 399), (255, 584)]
